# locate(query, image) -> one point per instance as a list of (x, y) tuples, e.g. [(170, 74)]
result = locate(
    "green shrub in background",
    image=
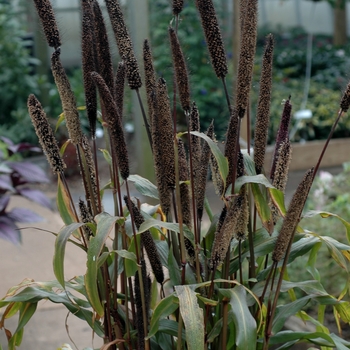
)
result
[(205, 89), (16, 77)]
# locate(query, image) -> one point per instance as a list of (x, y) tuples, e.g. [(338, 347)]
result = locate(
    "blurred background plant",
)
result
[(16, 178)]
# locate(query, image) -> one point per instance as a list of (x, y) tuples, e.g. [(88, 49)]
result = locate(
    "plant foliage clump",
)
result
[(177, 275)]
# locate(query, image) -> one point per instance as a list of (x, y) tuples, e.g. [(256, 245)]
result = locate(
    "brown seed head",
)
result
[(48, 21), (224, 236), (150, 78), (88, 65), (163, 135), (124, 43), (177, 6), (242, 221), (67, 98), (213, 37), (147, 241), (231, 145), (282, 134), (163, 189), (180, 71), (263, 111), (184, 190), (345, 101), (292, 217), (86, 218), (119, 87), (146, 281), (46, 137), (281, 173), (105, 66), (90, 173), (215, 174), (246, 56), (115, 126)]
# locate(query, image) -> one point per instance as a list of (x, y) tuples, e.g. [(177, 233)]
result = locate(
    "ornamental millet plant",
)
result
[(177, 275)]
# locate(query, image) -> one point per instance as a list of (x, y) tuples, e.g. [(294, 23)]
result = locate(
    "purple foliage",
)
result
[(15, 176)]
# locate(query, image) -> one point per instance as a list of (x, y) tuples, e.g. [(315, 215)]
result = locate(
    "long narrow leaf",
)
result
[(245, 325), (105, 224), (192, 316), (60, 249)]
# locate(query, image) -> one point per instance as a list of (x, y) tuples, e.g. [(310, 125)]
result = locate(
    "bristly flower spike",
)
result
[(163, 147), (213, 37), (119, 87), (292, 217), (231, 145), (88, 65), (345, 101), (104, 59), (224, 236), (67, 99), (282, 134), (147, 241), (124, 43), (280, 177), (177, 6), (163, 137), (115, 126), (263, 111), (46, 137), (180, 68), (48, 21), (150, 79), (246, 56)]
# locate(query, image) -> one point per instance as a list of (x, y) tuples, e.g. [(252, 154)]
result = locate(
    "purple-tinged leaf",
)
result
[(23, 147), (35, 196), (7, 141), (4, 201), (6, 183), (29, 172), (14, 148), (5, 169), (9, 231), (24, 215)]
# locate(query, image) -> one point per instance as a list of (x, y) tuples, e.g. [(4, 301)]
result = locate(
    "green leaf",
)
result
[(343, 309), (262, 208), (220, 158), (256, 179), (150, 222), (174, 271), (192, 316), (61, 119), (144, 186), (105, 224), (60, 248), (64, 205), (317, 338), (325, 214), (106, 156), (285, 311), (166, 307), (170, 327), (26, 312), (245, 324), (249, 164), (127, 255), (277, 197), (215, 332)]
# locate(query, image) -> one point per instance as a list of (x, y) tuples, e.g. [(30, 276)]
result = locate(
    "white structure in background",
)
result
[(315, 17)]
